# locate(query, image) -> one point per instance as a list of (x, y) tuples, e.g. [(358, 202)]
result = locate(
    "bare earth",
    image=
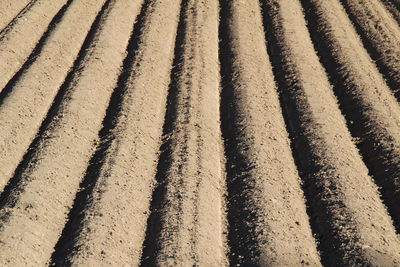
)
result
[(200, 133)]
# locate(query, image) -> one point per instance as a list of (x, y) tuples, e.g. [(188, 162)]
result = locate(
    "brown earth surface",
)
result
[(200, 133)]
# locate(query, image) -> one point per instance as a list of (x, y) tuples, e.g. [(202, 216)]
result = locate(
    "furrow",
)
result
[(381, 37), (186, 225), (28, 30), (108, 221), (31, 94), (371, 111), (46, 182), (11, 9), (394, 8), (268, 223), (350, 220)]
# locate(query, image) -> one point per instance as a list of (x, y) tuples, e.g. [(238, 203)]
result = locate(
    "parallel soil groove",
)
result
[(380, 35), (28, 32), (186, 224), (257, 147), (347, 227), (43, 77), (372, 112), (150, 244), (33, 177), (102, 45), (199, 133), (11, 10), (70, 236), (393, 6), (132, 134)]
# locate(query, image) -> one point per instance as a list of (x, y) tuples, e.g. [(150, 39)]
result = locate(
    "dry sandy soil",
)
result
[(199, 133)]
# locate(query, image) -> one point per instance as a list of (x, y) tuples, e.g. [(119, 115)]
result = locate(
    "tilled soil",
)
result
[(200, 133)]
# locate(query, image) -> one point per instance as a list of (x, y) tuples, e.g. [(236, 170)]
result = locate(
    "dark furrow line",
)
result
[(14, 187), (9, 26), (385, 68), (83, 198), (154, 221), (306, 161), (36, 51), (265, 205), (393, 10), (395, 3), (333, 204), (240, 235), (180, 209), (381, 160)]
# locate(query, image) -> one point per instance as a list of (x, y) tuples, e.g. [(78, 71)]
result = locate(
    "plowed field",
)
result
[(199, 133)]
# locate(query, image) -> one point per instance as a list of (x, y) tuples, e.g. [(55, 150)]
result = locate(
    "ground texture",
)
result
[(199, 133)]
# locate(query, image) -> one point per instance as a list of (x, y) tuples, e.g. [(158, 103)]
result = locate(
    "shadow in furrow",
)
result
[(70, 234), (244, 250), (395, 3), (36, 51), (155, 222), (380, 161), (10, 194), (394, 11), (301, 150), (383, 68), (7, 28)]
